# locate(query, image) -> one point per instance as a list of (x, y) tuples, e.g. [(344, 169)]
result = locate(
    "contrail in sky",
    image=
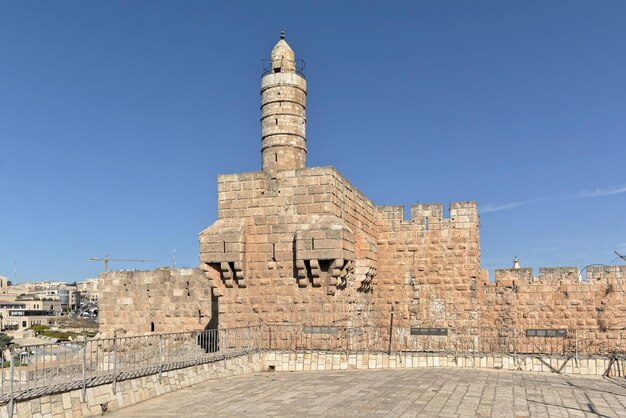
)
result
[(496, 208), (489, 207), (601, 192)]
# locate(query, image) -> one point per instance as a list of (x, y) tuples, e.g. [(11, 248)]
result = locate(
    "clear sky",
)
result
[(117, 116)]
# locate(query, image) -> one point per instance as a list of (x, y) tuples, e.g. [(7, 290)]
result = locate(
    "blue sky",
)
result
[(116, 117)]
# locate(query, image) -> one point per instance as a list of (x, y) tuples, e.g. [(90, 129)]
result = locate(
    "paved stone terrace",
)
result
[(438, 392)]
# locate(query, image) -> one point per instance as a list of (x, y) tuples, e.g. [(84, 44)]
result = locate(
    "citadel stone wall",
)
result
[(560, 297), (161, 300), (430, 265)]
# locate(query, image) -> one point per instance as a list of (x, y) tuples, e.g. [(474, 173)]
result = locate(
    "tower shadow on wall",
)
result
[(209, 338)]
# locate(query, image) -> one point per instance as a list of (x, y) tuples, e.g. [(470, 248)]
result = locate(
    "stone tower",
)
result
[(301, 245), (283, 112)]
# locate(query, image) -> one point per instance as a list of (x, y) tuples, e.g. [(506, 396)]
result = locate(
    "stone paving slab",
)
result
[(437, 392)]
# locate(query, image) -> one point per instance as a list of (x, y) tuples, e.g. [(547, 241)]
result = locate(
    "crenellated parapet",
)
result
[(462, 215), (591, 275), (509, 277), (598, 272), (554, 274)]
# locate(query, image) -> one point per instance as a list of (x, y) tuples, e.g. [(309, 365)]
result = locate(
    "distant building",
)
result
[(89, 290), (17, 316)]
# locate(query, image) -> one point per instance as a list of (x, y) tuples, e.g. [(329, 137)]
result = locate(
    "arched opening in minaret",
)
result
[(275, 157)]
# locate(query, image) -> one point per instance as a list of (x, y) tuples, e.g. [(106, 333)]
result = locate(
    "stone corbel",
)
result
[(315, 273), (303, 273), (227, 274), (232, 274), (341, 270), (365, 281)]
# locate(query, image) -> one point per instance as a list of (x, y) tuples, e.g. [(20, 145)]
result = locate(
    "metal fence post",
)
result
[(196, 349), (576, 347), (11, 375), (160, 356), (114, 361), (390, 331), (84, 391)]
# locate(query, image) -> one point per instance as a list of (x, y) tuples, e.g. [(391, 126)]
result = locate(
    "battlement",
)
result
[(547, 275), (552, 275), (431, 215), (521, 275), (599, 272)]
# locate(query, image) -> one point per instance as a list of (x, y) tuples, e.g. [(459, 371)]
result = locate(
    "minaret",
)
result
[(283, 112)]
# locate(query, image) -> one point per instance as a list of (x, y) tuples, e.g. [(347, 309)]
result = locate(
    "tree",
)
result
[(5, 342)]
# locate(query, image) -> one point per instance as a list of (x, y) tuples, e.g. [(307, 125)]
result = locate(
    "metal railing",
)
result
[(459, 341), (32, 371), (36, 370), (298, 65)]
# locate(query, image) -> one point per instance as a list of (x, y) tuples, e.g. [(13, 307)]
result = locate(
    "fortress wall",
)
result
[(599, 272), (429, 267), (175, 300), (558, 298)]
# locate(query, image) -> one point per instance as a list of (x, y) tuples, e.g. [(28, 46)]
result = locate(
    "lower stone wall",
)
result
[(161, 300), (314, 360), (129, 392)]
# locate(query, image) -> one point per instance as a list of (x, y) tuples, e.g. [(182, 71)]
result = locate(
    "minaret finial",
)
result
[(282, 34), (516, 263)]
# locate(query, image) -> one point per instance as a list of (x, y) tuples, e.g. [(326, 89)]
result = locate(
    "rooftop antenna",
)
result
[(15, 270), (623, 257), (174, 259)]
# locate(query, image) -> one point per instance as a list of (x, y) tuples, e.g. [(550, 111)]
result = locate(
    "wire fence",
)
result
[(459, 341), (37, 370)]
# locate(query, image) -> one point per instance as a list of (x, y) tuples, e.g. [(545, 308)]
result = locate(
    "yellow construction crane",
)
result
[(106, 260)]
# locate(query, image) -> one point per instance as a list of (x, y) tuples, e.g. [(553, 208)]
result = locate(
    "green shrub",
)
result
[(38, 328)]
